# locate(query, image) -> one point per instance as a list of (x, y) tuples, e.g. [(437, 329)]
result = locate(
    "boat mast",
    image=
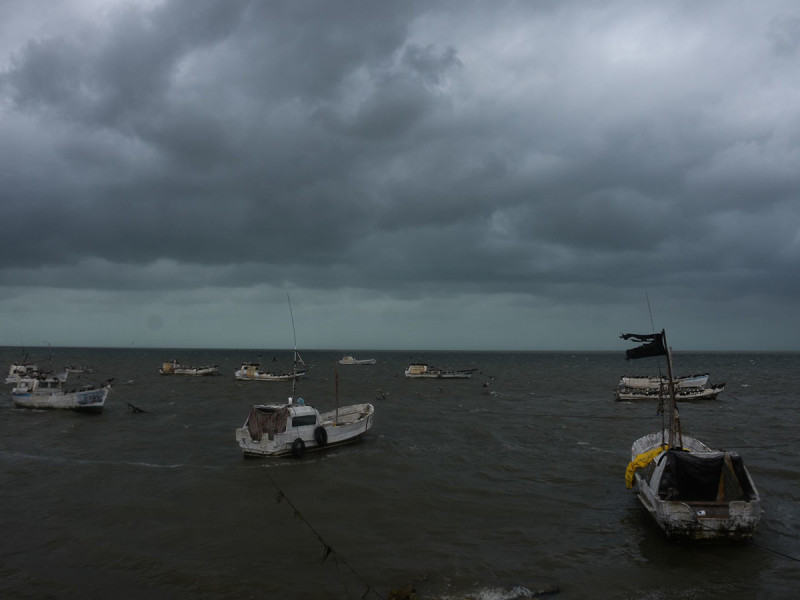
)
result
[(294, 367), (675, 439)]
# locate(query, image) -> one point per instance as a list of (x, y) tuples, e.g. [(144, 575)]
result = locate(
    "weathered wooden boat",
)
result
[(691, 491), (351, 360), (423, 371), (173, 367), (294, 428), (47, 392), (681, 394), (654, 382)]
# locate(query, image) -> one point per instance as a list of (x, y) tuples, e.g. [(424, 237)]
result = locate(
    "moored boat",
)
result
[(654, 382), (173, 367), (48, 392), (351, 360), (293, 428), (254, 372), (691, 491), (697, 393), (423, 371)]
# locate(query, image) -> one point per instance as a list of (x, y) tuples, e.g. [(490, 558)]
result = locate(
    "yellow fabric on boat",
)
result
[(641, 460)]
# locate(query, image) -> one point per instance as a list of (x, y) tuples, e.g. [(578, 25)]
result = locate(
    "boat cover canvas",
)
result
[(641, 461), (260, 422), (706, 477)]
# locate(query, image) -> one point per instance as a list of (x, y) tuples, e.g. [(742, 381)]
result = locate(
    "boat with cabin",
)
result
[(423, 371), (691, 491), (351, 360), (173, 367), (48, 392), (252, 371), (294, 428)]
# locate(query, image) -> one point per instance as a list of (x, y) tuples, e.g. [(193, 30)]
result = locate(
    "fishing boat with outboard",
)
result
[(691, 491), (423, 371), (294, 428), (173, 367), (48, 391)]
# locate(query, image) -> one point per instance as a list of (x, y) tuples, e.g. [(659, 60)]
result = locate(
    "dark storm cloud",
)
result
[(566, 151)]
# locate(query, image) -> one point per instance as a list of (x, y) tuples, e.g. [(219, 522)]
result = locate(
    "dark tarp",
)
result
[(690, 477), (260, 422)]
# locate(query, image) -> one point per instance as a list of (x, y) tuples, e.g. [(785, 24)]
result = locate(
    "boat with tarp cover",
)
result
[(691, 491), (173, 367)]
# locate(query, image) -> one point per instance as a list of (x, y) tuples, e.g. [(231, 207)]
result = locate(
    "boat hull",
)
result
[(694, 517), (91, 401), (682, 395)]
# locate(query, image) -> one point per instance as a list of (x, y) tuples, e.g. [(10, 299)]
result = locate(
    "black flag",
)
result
[(652, 345)]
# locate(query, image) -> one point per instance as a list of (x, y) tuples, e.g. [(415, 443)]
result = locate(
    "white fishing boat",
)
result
[(691, 491), (295, 428), (351, 360), (710, 392), (173, 367), (78, 369), (654, 382), (423, 371), (48, 392), (254, 372)]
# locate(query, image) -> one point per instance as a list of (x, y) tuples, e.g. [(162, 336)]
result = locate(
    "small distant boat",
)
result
[(48, 392), (78, 369), (294, 428), (423, 371), (350, 360), (691, 491), (173, 367), (253, 372), (654, 382)]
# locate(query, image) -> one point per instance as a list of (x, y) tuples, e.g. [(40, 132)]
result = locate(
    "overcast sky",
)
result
[(415, 175)]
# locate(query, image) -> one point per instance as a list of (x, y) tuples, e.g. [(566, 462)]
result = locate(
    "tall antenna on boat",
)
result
[(652, 326)]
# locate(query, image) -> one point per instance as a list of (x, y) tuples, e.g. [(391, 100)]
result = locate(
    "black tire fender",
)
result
[(321, 436), (298, 448)]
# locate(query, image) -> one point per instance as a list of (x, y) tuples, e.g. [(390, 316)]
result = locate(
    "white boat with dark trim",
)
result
[(691, 491), (654, 382), (295, 428), (173, 367), (48, 392), (351, 360), (423, 371), (681, 394)]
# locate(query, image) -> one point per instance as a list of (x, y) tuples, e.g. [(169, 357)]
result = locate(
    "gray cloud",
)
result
[(574, 155)]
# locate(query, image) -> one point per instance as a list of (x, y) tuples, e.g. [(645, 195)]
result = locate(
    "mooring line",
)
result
[(327, 549)]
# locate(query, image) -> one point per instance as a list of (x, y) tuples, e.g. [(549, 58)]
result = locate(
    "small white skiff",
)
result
[(49, 392), (173, 367), (295, 428)]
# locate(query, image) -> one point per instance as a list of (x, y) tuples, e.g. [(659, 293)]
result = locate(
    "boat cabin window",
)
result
[(304, 420)]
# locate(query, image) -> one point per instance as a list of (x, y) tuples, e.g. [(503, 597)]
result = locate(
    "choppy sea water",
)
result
[(485, 488)]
